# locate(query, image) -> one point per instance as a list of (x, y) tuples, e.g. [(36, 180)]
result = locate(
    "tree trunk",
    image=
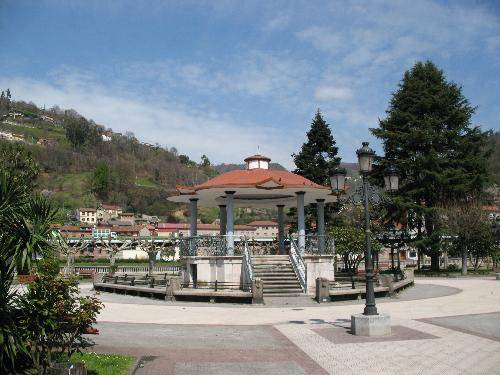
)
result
[(464, 262), (435, 262), (152, 261), (445, 259)]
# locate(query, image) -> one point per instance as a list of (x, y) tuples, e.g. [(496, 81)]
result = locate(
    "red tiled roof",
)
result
[(260, 223), (71, 228), (255, 178), (171, 227), (86, 209)]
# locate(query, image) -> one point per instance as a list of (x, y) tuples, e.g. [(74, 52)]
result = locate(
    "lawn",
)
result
[(105, 364)]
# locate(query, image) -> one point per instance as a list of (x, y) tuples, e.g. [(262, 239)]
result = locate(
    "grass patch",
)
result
[(105, 364), (146, 182)]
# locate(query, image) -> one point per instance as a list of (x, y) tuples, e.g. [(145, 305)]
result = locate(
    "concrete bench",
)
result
[(171, 290), (86, 273), (130, 289), (327, 290)]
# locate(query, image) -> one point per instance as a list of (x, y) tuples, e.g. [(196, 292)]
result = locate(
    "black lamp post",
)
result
[(367, 194), (365, 160)]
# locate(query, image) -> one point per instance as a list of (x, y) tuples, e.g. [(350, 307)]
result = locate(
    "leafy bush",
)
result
[(48, 266), (54, 319), (453, 268)]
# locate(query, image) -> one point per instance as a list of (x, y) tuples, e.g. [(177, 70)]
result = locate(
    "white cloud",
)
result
[(279, 22), (191, 132), (326, 93)]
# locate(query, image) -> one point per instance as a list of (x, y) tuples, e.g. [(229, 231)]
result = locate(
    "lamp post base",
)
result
[(371, 325)]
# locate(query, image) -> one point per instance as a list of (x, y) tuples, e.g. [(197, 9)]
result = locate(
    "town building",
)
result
[(87, 215)]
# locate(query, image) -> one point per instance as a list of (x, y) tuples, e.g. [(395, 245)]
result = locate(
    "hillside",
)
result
[(82, 163)]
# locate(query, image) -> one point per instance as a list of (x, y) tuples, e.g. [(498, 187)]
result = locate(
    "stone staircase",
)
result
[(277, 275)]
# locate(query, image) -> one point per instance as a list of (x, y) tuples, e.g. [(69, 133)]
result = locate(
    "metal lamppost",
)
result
[(366, 195)]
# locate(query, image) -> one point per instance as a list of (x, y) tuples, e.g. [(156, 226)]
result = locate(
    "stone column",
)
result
[(223, 219), (281, 230), (320, 206), (193, 217), (230, 222), (193, 224), (301, 225)]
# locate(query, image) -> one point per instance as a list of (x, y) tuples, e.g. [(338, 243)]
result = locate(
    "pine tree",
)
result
[(318, 156), (317, 159), (427, 135)]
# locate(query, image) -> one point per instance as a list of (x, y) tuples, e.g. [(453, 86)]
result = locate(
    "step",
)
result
[(277, 277), (270, 257), (280, 290), (279, 281), (283, 294), (274, 274), (280, 286)]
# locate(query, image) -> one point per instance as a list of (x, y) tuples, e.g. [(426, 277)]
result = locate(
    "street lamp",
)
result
[(366, 195), (365, 160), (391, 180), (337, 180)]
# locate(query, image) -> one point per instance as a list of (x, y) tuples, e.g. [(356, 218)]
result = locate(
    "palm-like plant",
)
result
[(25, 233)]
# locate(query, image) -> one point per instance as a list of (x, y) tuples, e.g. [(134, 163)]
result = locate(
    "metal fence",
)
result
[(127, 269)]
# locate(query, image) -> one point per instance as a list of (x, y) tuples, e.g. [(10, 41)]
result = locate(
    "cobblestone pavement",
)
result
[(452, 334)]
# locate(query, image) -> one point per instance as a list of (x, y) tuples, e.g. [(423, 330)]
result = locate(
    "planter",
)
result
[(26, 278), (68, 369)]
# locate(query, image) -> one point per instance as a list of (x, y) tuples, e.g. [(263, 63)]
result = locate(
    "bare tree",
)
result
[(69, 251), (113, 248)]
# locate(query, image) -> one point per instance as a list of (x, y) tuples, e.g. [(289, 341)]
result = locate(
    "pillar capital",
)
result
[(193, 199), (320, 200), (300, 192), (230, 192)]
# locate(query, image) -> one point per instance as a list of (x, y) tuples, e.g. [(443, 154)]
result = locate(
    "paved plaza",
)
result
[(442, 326)]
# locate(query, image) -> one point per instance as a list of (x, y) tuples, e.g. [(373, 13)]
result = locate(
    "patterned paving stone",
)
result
[(241, 368), (340, 335)]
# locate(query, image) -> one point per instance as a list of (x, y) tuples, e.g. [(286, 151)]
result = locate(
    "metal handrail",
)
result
[(298, 264), (247, 264)]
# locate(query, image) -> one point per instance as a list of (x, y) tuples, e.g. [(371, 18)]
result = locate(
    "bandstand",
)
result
[(288, 264)]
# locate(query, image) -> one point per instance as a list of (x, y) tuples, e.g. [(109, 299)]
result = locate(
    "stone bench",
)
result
[(172, 290), (327, 290)]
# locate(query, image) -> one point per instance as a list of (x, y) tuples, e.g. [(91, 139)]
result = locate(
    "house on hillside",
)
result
[(15, 115), (47, 118), (265, 228), (106, 212), (46, 142), (127, 216), (87, 215)]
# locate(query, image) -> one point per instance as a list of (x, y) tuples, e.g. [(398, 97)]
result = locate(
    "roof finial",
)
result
[(258, 150)]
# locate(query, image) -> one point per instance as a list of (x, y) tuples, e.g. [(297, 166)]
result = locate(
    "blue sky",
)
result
[(224, 77)]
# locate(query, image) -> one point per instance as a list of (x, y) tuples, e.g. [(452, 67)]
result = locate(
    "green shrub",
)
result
[(48, 267), (453, 268), (53, 319)]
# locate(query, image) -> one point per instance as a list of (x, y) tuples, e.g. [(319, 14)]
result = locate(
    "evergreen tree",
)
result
[(318, 156), (316, 161), (427, 135)]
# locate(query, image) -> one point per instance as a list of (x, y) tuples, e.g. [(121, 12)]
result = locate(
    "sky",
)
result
[(227, 78)]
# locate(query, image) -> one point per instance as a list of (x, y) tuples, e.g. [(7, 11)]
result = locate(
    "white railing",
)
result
[(298, 264), (247, 266)]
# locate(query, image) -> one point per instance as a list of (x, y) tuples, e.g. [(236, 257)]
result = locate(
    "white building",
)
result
[(87, 215)]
